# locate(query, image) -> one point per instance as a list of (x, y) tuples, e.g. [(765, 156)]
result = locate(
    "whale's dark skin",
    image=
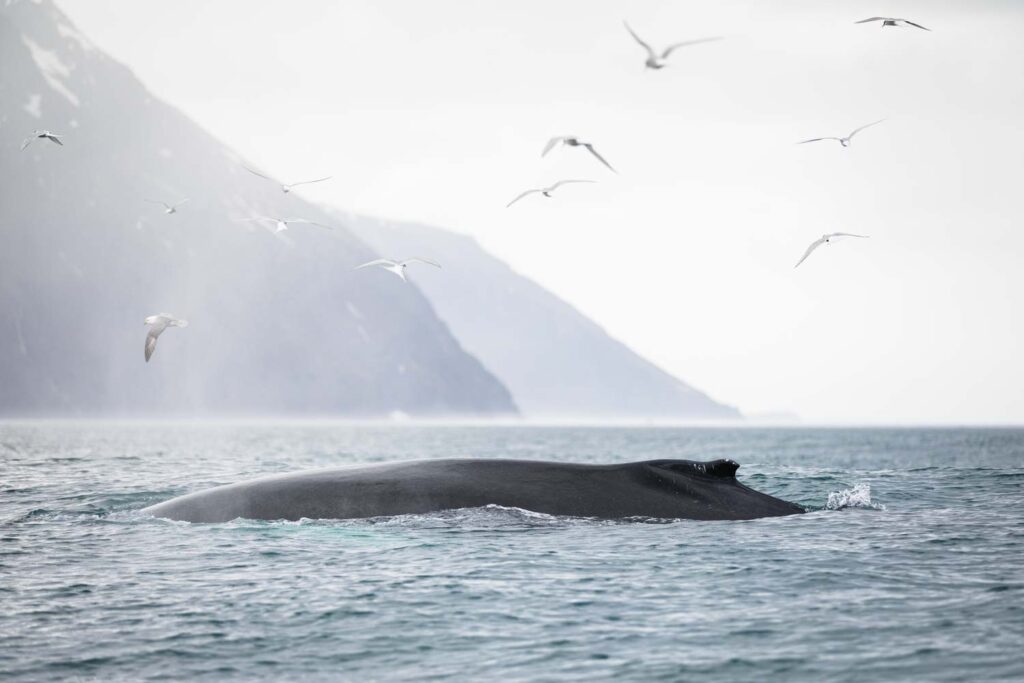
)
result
[(681, 489)]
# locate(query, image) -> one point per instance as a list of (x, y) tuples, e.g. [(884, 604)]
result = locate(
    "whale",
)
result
[(669, 489)]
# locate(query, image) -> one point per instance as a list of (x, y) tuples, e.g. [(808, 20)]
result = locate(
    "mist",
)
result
[(685, 256)]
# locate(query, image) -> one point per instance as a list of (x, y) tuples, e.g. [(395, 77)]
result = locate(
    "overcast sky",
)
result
[(437, 112)]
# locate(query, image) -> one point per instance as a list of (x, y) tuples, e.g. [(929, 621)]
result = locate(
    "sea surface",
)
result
[(910, 566)]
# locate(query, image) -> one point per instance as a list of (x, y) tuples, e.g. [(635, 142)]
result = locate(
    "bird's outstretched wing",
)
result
[(520, 197), (670, 48), (150, 345), (55, 138), (257, 173), (845, 234), (28, 141), (814, 245), (551, 144), (378, 262), (158, 326), (863, 127), (804, 142), (864, 21), (590, 148), (420, 260), (917, 25), (307, 182), (566, 182), (183, 201), (650, 50)]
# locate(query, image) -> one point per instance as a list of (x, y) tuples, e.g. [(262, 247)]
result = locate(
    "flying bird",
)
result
[(656, 61), (397, 267), (157, 325), (42, 135), (825, 239), (845, 142), (281, 224), (892, 21), (286, 188), (546, 191), (168, 208), (572, 141)]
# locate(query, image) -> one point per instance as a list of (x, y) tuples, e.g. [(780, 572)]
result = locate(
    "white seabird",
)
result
[(546, 191), (892, 21), (656, 61), (168, 208), (845, 142), (397, 267), (825, 239), (286, 187), (573, 141), (157, 324), (42, 135)]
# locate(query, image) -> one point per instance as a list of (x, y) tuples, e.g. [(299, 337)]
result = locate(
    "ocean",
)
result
[(909, 567)]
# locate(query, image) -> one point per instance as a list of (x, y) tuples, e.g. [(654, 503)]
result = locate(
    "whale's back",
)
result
[(656, 488)]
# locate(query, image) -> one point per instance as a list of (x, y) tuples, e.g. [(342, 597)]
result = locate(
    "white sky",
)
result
[(437, 111)]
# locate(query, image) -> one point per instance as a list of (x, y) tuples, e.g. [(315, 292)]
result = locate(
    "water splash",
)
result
[(857, 497)]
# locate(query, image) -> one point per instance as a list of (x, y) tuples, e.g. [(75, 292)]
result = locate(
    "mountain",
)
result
[(556, 362), (279, 323)]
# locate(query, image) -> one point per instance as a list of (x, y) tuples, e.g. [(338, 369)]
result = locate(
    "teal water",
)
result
[(910, 567)]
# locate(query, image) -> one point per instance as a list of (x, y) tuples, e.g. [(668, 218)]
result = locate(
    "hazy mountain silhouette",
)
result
[(276, 327), (556, 362)]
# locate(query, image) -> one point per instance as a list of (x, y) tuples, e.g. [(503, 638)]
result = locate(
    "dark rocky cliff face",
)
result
[(278, 324)]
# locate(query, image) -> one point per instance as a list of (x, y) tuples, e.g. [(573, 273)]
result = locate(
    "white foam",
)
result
[(857, 497), (519, 512)]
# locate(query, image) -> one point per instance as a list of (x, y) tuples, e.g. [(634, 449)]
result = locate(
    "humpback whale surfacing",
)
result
[(681, 489)]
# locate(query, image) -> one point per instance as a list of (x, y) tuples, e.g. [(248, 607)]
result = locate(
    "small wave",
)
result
[(857, 497), (488, 516), (518, 512)]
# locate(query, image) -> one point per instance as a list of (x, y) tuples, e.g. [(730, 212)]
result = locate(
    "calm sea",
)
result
[(910, 567)]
